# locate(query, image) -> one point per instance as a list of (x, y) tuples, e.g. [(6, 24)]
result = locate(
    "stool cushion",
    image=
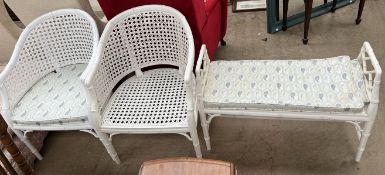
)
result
[(331, 84)]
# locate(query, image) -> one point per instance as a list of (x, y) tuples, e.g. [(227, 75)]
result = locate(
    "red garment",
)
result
[(207, 18)]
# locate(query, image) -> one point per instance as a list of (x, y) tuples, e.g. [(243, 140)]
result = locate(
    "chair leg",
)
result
[(364, 139), (28, 143), (360, 9), (108, 145), (194, 134), (205, 128), (284, 14), (223, 42), (308, 10), (334, 6)]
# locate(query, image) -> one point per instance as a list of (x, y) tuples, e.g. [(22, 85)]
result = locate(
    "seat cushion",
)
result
[(332, 84), (58, 98), (157, 99)]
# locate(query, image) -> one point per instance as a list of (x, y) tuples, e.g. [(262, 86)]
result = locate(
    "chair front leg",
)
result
[(108, 145), (360, 9), (308, 11), (334, 6), (28, 143), (193, 132)]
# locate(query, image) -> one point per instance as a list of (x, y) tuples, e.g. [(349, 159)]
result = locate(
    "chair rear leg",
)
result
[(108, 145), (28, 143), (194, 135)]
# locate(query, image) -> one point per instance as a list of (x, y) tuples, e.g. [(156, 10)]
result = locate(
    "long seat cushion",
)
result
[(332, 84), (58, 98)]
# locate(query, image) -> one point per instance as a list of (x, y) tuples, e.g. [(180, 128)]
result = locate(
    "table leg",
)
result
[(277, 10), (308, 10), (360, 9), (334, 6), (285, 9)]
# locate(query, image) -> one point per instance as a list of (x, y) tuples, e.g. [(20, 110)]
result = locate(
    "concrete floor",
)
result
[(254, 146)]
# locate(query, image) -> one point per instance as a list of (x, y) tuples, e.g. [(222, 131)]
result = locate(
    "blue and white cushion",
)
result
[(332, 84)]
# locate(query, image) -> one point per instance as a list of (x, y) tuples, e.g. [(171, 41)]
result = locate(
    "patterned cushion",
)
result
[(58, 98), (332, 84)]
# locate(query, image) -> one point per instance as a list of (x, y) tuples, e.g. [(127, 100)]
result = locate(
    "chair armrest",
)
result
[(94, 80)]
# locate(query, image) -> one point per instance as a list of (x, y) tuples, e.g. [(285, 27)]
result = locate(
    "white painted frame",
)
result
[(186, 70), (362, 121), (22, 129)]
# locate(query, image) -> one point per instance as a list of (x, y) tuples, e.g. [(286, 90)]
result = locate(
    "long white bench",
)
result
[(330, 89)]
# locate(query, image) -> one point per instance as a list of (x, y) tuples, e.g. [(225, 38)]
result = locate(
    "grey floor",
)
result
[(254, 146)]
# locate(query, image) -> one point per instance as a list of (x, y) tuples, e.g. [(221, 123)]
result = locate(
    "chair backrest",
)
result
[(53, 40), (141, 37), (193, 10)]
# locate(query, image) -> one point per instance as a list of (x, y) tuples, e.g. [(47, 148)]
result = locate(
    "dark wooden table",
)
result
[(308, 11), (187, 166), (10, 146)]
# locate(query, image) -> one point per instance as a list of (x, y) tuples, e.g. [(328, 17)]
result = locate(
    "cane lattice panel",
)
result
[(155, 100)]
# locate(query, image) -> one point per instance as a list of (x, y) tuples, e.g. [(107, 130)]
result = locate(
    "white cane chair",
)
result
[(41, 87), (127, 99)]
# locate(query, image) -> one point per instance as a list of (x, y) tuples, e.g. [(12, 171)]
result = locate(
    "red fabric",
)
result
[(206, 20), (210, 5)]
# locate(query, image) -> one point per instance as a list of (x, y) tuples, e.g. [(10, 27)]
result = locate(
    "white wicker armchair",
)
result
[(40, 86), (126, 99)]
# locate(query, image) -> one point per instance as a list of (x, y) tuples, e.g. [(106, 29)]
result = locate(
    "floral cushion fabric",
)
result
[(331, 84)]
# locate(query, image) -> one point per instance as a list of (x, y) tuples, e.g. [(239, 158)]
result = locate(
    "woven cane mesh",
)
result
[(155, 100), (54, 42), (137, 40)]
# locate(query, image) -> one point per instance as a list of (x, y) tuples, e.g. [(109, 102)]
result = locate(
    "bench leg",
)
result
[(28, 143), (108, 145), (205, 128), (364, 139), (194, 133)]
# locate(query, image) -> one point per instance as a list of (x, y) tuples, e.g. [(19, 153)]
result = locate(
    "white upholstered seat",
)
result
[(332, 84), (61, 91), (157, 99)]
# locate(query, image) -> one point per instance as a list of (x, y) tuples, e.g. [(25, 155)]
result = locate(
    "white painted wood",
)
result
[(46, 64), (161, 100), (366, 117)]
